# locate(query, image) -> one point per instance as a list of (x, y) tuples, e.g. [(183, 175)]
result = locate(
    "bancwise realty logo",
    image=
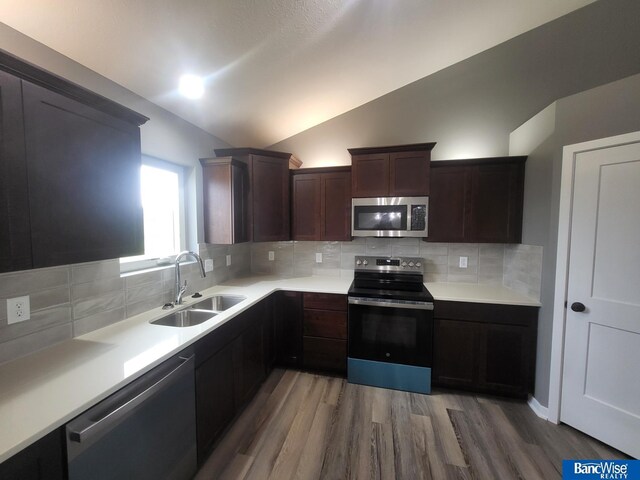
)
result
[(601, 469)]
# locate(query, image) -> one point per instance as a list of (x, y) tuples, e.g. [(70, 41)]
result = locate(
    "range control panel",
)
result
[(389, 264)]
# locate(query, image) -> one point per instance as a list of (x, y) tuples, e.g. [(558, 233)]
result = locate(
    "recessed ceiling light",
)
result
[(191, 86)]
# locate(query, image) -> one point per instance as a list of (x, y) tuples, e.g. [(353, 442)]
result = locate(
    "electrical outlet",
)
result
[(272, 256), (18, 309), (228, 260), (208, 265), (463, 262), (318, 257)]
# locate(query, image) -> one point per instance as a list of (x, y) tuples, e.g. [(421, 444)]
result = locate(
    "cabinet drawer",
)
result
[(325, 323), (325, 301), (325, 354)]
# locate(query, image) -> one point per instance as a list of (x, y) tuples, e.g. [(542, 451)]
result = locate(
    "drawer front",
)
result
[(325, 354), (324, 323), (325, 301)]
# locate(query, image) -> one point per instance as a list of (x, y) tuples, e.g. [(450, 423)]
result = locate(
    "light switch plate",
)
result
[(208, 265), (318, 257), (272, 256), (228, 260), (18, 309), (463, 262)]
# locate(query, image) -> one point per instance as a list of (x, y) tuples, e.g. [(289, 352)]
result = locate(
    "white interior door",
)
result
[(601, 377)]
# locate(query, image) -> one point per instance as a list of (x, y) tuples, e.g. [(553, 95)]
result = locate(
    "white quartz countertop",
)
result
[(43, 391)]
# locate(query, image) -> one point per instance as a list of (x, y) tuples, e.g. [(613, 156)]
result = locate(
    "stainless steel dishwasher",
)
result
[(147, 430)]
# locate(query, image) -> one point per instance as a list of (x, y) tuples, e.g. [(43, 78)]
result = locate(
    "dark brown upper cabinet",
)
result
[(70, 168), (477, 200), (393, 171), (267, 212), (321, 204), (15, 230), (226, 200)]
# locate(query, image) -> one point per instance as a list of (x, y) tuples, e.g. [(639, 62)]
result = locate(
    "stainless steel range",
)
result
[(390, 324)]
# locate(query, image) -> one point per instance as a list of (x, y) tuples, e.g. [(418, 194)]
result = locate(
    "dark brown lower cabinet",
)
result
[(485, 347), (215, 402), (324, 331), (248, 363), (287, 317), (230, 367), (43, 460)]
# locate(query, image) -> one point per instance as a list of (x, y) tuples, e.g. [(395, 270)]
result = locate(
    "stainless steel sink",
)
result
[(219, 303), (185, 318)]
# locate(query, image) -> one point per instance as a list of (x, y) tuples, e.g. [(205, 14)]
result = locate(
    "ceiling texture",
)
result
[(273, 68)]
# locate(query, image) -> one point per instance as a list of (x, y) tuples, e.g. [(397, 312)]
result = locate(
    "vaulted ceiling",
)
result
[(273, 68)]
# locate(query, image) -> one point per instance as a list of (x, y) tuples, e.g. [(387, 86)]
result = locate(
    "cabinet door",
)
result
[(270, 202), (409, 174), (226, 196), (370, 175), (325, 354), (505, 356), (450, 204), (336, 206), (455, 353), (497, 203), (248, 362), (306, 203), (15, 236), (288, 327), (42, 460), (83, 171), (215, 403)]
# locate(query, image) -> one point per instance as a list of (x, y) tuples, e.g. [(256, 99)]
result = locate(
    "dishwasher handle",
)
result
[(87, 428)]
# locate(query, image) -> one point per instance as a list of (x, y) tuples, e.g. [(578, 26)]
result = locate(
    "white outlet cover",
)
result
[(228, 260), (463, 262), (208, 265), (318, 257), (18, 309), (272, 256)]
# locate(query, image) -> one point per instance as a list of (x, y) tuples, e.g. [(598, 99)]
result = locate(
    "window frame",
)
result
[(126, 265)]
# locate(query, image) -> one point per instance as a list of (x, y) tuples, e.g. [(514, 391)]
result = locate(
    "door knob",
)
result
[(578, 307)]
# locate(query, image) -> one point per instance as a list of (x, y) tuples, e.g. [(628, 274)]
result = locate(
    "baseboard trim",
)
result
[(539, 410)]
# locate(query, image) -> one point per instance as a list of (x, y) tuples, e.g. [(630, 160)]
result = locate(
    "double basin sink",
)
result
[(200, 312)]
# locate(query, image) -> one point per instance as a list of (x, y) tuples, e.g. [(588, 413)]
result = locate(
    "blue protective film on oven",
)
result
[(389, 375)]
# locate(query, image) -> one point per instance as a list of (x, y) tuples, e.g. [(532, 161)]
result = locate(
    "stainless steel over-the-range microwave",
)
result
[(390, 217)]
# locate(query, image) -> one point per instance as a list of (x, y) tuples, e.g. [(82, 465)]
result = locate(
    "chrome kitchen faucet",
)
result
[(180, 289)]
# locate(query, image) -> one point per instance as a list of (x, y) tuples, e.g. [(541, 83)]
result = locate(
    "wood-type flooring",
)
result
[(305, 426)]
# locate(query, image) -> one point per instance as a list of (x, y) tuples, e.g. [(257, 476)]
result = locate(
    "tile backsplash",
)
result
[(71, 300), (486, 263)]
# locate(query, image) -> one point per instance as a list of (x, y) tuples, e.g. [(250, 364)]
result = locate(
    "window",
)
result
[(161, 189)]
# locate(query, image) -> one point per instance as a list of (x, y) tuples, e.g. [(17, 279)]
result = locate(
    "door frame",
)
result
[(569, 158)]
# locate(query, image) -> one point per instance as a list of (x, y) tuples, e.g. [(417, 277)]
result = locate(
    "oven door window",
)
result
[(380, 217), (387, 334)]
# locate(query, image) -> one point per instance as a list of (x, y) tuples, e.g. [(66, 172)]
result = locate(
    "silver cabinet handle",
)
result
[(391, 303), (94, 422)]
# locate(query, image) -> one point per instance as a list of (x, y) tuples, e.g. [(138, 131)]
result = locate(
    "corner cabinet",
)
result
[(226, 200), (393, 171), (267, 196), (478, 200), (321, 204), (485, 347), (70, 172)]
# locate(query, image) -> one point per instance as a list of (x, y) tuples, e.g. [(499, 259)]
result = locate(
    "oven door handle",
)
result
[(390, 303)]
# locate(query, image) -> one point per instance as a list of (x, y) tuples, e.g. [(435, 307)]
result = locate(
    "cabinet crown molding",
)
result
[(34, 74), (414, 147)]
